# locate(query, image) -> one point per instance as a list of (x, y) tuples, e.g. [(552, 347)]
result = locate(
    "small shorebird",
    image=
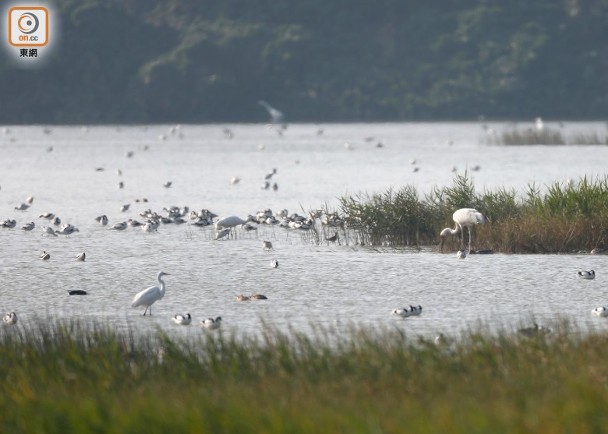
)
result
[(600, 311), (22, 207), (274, 263), (589, 275), (10, 318), (258, 297), (182, 319), (211, 323), (242, 298), (267, 245)]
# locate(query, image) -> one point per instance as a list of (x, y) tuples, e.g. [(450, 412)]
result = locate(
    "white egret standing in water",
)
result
[(150, 295)]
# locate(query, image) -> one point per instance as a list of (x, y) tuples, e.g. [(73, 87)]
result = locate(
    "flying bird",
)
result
[(276, 116), (464, 217), (150, 295)]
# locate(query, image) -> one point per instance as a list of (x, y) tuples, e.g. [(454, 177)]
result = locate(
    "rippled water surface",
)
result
[(327, 284)]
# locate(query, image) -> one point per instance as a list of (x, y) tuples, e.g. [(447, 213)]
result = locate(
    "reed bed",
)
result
[(84, 377), (544, 136), (564, 218)]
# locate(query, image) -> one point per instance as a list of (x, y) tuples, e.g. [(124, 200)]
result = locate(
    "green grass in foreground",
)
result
[(567, 217), (85, 378)]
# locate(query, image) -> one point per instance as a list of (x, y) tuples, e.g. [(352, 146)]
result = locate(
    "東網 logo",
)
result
[(28, 26)]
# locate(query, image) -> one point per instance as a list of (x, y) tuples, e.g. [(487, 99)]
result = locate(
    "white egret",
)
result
[(211, 323), (464, 217), (10, 318), (588, 275), (150, 295), (182, 319)]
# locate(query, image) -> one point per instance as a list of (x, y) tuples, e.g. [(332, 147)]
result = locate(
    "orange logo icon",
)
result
[(28, 26)]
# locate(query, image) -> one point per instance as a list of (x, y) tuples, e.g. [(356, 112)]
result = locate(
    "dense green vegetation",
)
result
[(566, 218), (74, 377), (340, 60)]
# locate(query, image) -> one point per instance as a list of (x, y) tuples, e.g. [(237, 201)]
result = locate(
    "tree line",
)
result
[(199, 61)]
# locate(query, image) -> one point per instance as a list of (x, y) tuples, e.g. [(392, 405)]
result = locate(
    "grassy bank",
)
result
[(567, 217), (85, 378)]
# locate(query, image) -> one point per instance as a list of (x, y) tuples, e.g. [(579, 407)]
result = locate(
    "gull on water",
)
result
[(48, 231), (45, 256), (9, 223), (28, 226), (102, 219), (81, 257), (258, 297), (274, 263), (121, 226), (182, 319), (22, 207)]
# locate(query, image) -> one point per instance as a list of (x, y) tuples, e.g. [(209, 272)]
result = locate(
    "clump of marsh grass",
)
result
[(544, 136), (528, 136), (566, 217), (85, 377)]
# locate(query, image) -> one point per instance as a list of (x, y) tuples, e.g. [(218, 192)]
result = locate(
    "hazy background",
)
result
[(199, 61)]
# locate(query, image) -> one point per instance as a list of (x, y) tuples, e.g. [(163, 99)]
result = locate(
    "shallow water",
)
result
[(328, 284)]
